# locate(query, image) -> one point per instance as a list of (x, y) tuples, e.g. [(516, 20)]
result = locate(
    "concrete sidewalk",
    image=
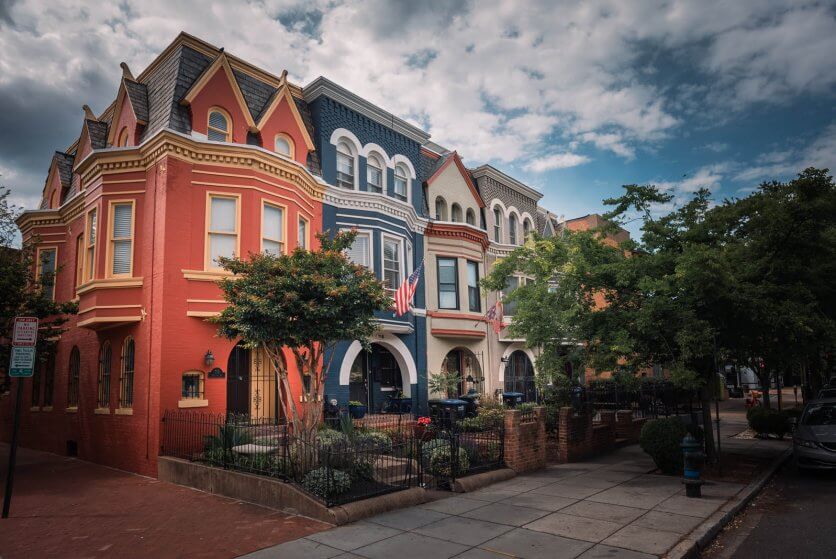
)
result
[(609, 507)]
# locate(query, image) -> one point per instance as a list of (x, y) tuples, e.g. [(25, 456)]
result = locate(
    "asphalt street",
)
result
[(794, 517)]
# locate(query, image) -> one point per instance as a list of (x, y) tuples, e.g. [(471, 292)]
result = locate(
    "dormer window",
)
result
[(440, 209), (345, 166), (456, 213), (497, 225), (512, 229), (122, 140), (219, 128), (374, 174), (283, 145), (401, 183)]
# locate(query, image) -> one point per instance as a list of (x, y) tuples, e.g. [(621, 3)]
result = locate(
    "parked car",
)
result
[(814, 440), (826, 393)]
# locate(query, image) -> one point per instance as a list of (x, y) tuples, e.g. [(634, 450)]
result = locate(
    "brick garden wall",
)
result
[(579, 437), (525, 440)]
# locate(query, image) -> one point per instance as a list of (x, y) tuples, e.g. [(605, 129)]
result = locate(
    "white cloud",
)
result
[(556, 161), (786, 163), (498, 81)]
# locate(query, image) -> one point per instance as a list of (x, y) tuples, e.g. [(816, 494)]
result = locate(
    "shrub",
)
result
[(373, 441), (491, 414), (327, 483), (526, 407), (471, 424), (334, 447), (428, 447), (767, 421), (439, 461), (660, 438), (361, 470)]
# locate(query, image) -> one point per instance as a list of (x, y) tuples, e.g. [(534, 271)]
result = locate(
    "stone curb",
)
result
[(705, 533)]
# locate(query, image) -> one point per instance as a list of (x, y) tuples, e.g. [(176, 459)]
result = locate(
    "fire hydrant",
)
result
[(694, 459)]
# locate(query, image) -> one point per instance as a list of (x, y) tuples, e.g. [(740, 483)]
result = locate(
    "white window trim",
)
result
[(370, 234), (207, 251), (383, 172), (401, 165), (283, 240), (404, 268), (343, 135)]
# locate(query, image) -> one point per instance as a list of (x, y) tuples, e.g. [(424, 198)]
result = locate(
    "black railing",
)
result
[(340, 463)]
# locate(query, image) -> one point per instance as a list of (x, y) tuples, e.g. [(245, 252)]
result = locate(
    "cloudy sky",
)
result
[(574, 98)]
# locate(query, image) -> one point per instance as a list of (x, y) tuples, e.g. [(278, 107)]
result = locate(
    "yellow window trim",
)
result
[(39, 264), (283, 241), (90, 267), (207, 252), (307, 222), (111, 240), (227, 116)]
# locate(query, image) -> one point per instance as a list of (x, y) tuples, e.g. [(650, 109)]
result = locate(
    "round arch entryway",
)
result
[(400, 364), (519, 375), (252, 387), (463, 361)]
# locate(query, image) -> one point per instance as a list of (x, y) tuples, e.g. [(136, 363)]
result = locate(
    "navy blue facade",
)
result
[(328, 116)]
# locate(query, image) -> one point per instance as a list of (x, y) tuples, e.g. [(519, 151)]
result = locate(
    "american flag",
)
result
[(494, 317), (405, 293)]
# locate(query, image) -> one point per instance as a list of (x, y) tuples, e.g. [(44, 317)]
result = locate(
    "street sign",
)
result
[(25, 331), (22, 361)]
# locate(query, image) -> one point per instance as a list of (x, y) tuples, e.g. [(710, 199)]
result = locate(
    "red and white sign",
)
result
[(26, 331)]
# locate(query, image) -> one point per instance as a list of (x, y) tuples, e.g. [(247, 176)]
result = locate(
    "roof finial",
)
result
[(220, 50), (283, 77), (88, 113), (126, 72)]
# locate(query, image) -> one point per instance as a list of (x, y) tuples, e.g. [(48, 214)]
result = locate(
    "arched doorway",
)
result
[(464, 362), (374, 377), (519, 376), (252, 388)]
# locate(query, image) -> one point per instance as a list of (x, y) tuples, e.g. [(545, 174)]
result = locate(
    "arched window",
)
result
[(497, 224), (72, 381), (401, 186), (283, 145), (456, 213), (126, 375), (105, 361), (122, 140), (512, 229), (375, 174), (345, 165), (440, 209), (219, 128), (526, 229), (470, 217)]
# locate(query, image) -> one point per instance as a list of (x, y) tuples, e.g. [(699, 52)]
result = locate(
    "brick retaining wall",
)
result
[(525, 440)]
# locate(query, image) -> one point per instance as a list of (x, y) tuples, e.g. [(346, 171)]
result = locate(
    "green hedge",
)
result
[(661, 439), (767, 421)]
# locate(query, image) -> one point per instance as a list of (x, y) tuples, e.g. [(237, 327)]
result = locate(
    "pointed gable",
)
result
[(281, 115), (218, 86), (131, 112), (58, 180), (93, 136), (453, 161)]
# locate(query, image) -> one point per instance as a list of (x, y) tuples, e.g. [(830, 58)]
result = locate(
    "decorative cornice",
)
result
[(458, 231), (369, 201), (510, 182), (323, 86)]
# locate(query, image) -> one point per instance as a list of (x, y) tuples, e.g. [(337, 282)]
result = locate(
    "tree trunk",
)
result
[(778, 383), (765, 378), (708, 431)]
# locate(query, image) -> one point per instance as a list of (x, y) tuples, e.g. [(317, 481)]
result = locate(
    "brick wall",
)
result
[(628, 428), (525, 440), (579, 437)]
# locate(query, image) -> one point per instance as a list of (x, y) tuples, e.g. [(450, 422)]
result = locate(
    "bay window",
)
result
[(272, 229), (120, 248), (448, 283)]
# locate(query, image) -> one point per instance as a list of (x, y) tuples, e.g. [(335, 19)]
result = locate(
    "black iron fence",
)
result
[(340, 463), (645, 399)]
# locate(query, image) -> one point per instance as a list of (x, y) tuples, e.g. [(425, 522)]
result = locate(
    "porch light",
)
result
[(209, 359)]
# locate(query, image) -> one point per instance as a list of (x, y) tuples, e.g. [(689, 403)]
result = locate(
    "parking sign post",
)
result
[(22, 364)]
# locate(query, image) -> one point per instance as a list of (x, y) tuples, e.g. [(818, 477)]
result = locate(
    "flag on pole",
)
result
[(494, 317), (406, 292)]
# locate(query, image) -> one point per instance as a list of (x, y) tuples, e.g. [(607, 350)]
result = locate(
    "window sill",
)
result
[(46, 408), (73, 409), (102, 411), (207, 275), (124, 411), (193, 403), (35, 408)]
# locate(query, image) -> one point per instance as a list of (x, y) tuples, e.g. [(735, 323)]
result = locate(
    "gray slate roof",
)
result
[(98, 133), (138, 95), (64, 162)]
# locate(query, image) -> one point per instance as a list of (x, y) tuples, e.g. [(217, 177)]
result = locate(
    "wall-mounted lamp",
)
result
[(505, 360), (209, 358)]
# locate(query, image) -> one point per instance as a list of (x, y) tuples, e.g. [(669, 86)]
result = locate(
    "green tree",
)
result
[(306, 301), (23, 293)]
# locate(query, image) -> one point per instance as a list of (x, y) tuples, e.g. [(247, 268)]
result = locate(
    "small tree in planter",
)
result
[(306, 301), (446, 383)]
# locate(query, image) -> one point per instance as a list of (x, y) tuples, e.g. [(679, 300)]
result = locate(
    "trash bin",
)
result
[(472, 400), (511, 399), (442, 410)]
